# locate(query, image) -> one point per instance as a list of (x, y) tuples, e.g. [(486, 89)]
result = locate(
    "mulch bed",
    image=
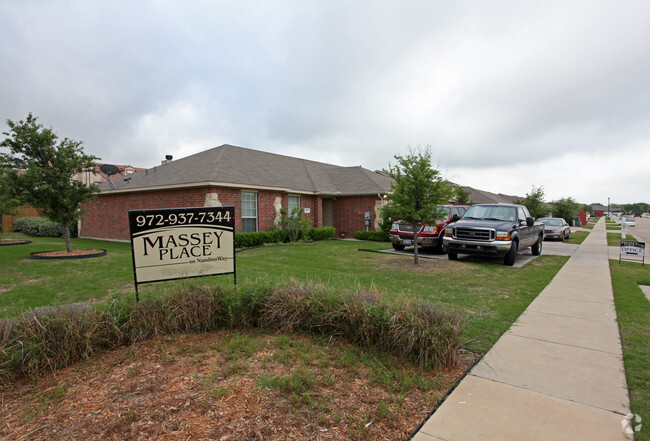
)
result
[(186, 388), (14, 242), (74, 254)]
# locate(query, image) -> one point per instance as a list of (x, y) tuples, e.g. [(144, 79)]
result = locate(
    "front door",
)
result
[(328, 213)]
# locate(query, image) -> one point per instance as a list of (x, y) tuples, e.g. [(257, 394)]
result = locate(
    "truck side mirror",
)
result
[(455, 218), (530, 221)]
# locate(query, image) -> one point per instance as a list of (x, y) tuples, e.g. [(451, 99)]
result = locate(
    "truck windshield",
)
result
[(491, 212)]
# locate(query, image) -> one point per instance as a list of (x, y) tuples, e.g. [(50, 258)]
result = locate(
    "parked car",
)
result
[(429, 236), (494, 230), (627, 221), (556, 228)]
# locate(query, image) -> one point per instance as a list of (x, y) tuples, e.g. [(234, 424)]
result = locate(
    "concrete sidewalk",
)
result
[(556, 374)]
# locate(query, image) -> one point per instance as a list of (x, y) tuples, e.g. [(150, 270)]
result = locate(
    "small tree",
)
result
[(39, 171), (565, 208), (293, 223), (588, 208), (462, 195), (534, 201), (417, 190)]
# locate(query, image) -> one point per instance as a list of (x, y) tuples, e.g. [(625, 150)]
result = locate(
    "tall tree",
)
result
[(40, 169), (534, 201), (565, 208), (417, 190)]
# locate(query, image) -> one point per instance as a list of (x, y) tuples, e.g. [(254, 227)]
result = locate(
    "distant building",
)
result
[(96, 176), (477, 196)]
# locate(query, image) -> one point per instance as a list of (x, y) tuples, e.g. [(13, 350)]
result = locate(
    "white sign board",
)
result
[(630, 250), (633, 248), (178, 243)]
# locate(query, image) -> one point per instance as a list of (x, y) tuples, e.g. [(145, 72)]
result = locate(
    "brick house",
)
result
[(258, 184)]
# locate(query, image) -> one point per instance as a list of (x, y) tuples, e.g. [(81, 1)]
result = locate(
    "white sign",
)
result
[(178, 243), (633, 248)]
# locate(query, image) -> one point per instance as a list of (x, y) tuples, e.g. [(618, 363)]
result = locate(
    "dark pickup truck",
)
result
[(494, 230)]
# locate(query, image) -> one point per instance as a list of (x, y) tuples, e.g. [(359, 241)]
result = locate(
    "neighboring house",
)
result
[(96, 176), (600, 210), (485, 197), (258, 184), (88, 177)]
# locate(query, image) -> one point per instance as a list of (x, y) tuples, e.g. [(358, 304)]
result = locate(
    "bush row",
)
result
[(377, 236), (49, 339), (245, 240), (41, 227)]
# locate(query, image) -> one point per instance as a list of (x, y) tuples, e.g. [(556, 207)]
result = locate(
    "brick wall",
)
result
[(349, 214), (107, 216)]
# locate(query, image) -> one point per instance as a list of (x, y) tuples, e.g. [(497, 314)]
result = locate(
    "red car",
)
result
[(430, 236)]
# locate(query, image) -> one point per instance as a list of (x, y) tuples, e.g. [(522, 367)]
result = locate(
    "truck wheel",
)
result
[(536, 249), (398, 247), (452, 256), (439, 248), (510, 258)]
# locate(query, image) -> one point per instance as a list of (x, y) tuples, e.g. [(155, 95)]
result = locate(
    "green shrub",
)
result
[(41, 227), (258, 238), (52, 338), (321, 233), (376, 236), (247, 240)]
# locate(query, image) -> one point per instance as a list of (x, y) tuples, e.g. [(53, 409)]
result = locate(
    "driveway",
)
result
[(523, 256)]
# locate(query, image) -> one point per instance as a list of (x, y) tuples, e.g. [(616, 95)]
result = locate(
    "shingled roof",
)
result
[(231, 166)]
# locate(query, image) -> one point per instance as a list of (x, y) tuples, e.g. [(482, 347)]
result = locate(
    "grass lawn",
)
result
[(614, 239), (299, 379), (633, 312), (27, 283), (577, 237), (489, 296)]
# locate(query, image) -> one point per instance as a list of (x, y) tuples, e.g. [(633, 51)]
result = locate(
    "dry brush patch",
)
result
[(116, 372), (228, 385), (53, 338)]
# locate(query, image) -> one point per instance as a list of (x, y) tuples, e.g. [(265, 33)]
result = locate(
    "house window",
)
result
[(294, 202), (248, 212)]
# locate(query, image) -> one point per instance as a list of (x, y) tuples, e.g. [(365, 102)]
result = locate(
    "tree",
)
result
[(534, 201), (588, 208), (462, 195), (39, 171), (565, 208), (417, 190)]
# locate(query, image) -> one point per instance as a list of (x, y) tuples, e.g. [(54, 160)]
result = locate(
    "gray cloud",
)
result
[(531, 85)]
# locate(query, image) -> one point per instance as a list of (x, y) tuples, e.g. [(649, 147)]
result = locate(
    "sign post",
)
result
[(629, 248), (179, 243)]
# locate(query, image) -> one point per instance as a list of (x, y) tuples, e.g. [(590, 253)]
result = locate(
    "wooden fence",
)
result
[(8, 221)]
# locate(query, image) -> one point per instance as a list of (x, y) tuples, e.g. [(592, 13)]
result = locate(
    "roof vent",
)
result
[(167, 159)]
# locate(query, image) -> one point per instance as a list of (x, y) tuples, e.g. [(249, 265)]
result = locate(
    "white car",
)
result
[(627, 221)]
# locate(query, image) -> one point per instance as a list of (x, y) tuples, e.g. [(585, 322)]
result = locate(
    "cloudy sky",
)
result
[(508, 94)]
